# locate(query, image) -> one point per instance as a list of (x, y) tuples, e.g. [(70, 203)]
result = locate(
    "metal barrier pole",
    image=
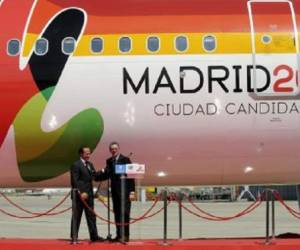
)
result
[(123, 179), (267, 240), (165, 198), (109, 238), (165, 216), (74, 233), (180, 197), (273, 216)]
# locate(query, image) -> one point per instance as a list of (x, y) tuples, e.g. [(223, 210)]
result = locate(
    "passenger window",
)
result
[(41, 47), (68, 45), (266, 39), (209, 43), (125, 44), (13, 47), (153, 44), (181, 43), (97, 45)]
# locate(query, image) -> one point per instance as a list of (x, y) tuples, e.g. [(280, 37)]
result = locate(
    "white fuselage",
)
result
[(212, 136)]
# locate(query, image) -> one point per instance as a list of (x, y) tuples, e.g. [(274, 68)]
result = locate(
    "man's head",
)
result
[(114, 148), (85, 153)]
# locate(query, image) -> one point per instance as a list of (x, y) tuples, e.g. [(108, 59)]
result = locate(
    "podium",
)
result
[(127, 171)]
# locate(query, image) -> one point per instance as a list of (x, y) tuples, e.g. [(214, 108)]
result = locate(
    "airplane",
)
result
[(201, 92)]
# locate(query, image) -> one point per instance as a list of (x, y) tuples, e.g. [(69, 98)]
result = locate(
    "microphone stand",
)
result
[(109, 236)]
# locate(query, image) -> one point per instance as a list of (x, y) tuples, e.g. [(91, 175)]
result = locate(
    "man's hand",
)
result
[(84, 196), (132, 196)]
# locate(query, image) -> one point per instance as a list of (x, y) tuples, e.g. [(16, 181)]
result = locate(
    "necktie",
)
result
[(88, 166)]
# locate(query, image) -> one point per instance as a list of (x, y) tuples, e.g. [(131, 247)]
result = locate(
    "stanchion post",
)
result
[(179, 199), (74, 233), (273, 216), (123, 180), (267, 240), (165, 230), (165, 216), (109, 238)]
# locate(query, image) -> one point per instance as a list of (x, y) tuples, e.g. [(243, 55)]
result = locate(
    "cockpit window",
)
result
[(153, 44), (41, 46), (125, 44), (13, 47), (68, 45), (97, 45)]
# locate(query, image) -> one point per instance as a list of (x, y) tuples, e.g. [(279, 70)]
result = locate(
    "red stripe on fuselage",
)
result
[(163, 7), (165, 16)]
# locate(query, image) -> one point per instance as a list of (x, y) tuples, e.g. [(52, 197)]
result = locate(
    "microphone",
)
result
[(130, 154)]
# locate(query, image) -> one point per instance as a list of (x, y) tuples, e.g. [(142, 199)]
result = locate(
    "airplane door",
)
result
[(275, 50)]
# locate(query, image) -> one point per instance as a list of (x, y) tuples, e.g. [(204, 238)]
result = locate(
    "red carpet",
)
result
[(205, 244)]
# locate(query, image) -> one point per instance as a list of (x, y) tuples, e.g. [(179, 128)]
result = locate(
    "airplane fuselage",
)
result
[(222, 109)]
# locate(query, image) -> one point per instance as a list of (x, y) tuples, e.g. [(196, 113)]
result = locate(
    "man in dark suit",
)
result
[(82, 175), (109, 173)]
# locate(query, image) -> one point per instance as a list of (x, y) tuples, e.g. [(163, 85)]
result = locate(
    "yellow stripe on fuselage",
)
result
[(226, 43)]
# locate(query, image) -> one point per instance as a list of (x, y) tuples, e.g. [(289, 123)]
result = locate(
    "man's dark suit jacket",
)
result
[(82, 177), (109, 172)]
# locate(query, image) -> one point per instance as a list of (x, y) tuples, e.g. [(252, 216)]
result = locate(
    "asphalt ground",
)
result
[(58, 227)]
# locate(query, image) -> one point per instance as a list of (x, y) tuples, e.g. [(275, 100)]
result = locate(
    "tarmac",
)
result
[(58, 227)]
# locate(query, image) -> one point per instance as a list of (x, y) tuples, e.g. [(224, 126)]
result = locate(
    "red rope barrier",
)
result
[(157, 212), (144, 216), (34, 214), (132, 218), (212, 217), (293, 212), (204, 215)]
